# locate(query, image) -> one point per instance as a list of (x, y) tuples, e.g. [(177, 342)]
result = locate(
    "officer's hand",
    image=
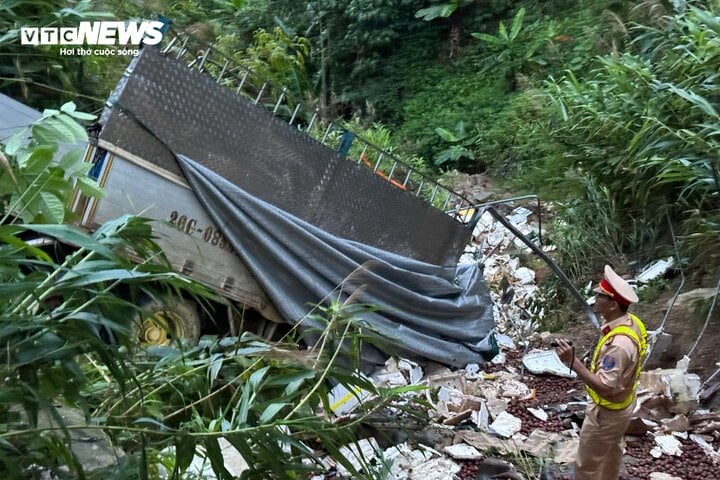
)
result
[(565, 351)]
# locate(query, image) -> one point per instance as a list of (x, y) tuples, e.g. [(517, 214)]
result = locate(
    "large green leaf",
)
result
[(14, 143), (90, 187), (37, 159), (214, 454), (436, 11), (78, 132), (48, 347), (695, 99), (15, 289), (72, 236), (184, 452), (70, 159), (446, 135), (243, 406), (104, 276), (82, 115), (487, 38), (49, 134), (517, 23), (8, 235), (271, 411), (707, 18), (257, 377), (502, 32), (52, 207), (453, 153), (215, 366)]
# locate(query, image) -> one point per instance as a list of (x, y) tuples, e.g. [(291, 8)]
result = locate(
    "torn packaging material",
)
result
[(358, 454), (547, 362), (505, 425), (343, 401), (429, 310), (655, 270), (463, 451), (405, 460), (436, 469), (675, 384)]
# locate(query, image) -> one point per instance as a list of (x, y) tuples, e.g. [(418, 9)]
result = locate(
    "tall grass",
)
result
[(644, 126), (65, 323)]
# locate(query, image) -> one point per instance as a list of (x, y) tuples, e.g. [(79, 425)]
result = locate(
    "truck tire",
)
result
[(165, 322)]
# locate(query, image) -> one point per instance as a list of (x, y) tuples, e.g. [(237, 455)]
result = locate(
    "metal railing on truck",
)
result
[(278, 100)]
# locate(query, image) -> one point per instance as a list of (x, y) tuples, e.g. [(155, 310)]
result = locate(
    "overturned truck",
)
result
[(279, 210)]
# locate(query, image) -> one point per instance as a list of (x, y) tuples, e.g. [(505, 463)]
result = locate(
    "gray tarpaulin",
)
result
[(427, 310)]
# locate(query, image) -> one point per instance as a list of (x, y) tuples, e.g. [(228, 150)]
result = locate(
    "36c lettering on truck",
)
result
[(208, 234)]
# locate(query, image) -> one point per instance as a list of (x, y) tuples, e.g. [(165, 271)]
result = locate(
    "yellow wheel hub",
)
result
[(160, 329)]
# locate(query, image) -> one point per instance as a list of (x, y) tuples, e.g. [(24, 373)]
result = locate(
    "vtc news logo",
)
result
[(95, 33)]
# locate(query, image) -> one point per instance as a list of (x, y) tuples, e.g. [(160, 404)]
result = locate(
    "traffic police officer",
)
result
[(610, 381)]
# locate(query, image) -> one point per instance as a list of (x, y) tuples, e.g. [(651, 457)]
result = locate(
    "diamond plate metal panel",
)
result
[(163, 106)]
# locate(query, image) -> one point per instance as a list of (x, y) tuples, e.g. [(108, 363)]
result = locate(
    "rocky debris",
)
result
[(514, 300), (549, 409), (498, 409), (91, 447), (462, 451), (395, 373), (687, 299), (663, 476), (505, 425), (517, 283), (476, 187), (435, 469), (678, 423), (667, 445), (408, 463)]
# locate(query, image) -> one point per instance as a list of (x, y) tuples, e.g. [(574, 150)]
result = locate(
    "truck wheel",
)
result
[(162, 323)]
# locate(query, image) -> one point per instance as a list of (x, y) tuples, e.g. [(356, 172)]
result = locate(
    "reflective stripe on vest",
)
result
[(640, 343)]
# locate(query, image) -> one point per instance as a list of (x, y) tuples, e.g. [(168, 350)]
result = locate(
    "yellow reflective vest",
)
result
[(641, 344)]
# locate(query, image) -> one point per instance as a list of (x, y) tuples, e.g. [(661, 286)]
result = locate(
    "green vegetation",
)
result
[(32, 186), (66, 317), (574, 101), (644, 125), (39, 75), (608, 108)]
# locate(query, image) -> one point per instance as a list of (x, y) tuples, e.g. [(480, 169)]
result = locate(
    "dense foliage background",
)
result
[(581, 102), (608, 108)]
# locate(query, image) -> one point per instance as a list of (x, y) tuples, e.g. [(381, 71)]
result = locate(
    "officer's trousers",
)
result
[(599, 455)]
